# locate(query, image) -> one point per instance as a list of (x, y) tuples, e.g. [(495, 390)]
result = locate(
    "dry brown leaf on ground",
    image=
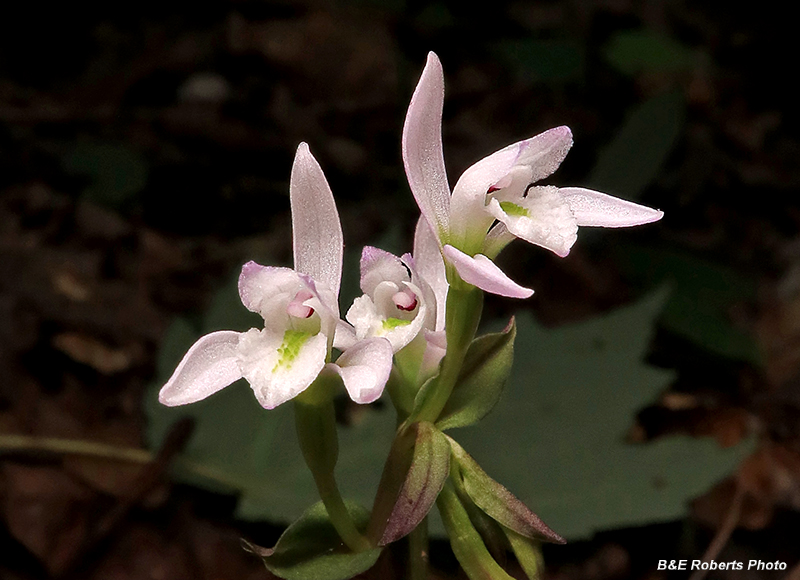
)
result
[(768, 479), (46, 511)]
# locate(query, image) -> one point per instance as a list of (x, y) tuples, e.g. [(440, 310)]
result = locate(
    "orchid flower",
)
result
[(499, 189), (300, 311), (396, 304)]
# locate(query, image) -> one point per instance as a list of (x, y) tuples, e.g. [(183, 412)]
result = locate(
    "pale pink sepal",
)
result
[(545, 152), (592, 208), (345, 336), (209, 366), (430, 267), (378, 266), (481, 272), (260, 285), (497, 239), (422, 148), (365, 368), (316, 231)]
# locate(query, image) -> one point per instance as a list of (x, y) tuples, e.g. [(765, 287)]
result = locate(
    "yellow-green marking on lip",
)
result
[(512, 208), (293, 341), (392, 323)]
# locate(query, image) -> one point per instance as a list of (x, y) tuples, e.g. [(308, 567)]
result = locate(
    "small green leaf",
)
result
[(480, 383), (498, 502), (310, 549), (426, 469), (425, 393), (528, 553), (634, 157)]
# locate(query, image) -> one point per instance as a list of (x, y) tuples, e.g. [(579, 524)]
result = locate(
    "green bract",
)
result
[(482, 378)]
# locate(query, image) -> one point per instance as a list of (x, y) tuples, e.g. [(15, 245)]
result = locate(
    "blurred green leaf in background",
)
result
[(634, 158), (116, 171), (703, 293), (635, 51), (555, 60), (557, 438)]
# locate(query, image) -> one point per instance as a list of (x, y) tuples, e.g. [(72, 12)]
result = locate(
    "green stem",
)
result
[(401, 395), (467, 544), (338, 514), (464, 305), (94, 449), (315, 419), (528, 553), (418, 552)]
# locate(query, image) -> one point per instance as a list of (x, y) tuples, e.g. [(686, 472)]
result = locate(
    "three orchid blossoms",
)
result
[(412, 333)]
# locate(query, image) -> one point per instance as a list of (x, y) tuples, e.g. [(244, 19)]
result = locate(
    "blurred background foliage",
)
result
[(145, 151)]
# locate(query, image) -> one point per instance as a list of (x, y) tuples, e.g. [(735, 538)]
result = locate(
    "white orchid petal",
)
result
[(430, 267), (545, 152), (422, 148), (345, 336), (363, 316), (481, 272), (379, 266), (543, 218), (592, 208), (280, 366), (400, 336), (540, 156), (261, 286), (316, 231), (365, 368), (497, 239), (209, 366)]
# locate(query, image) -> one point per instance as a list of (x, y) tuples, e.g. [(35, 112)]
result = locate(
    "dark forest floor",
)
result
[(145, 154)]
